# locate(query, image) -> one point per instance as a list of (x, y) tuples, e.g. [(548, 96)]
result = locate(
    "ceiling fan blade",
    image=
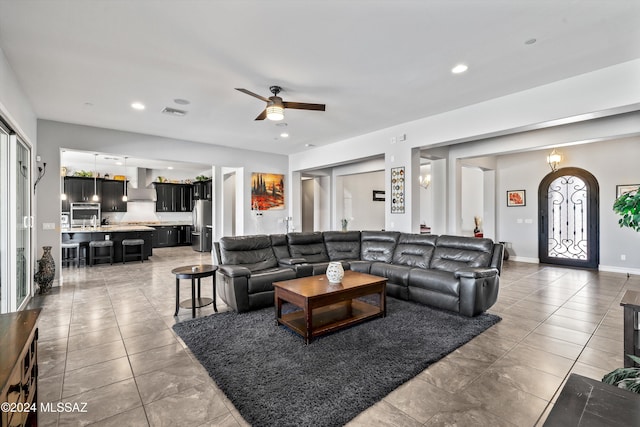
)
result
[(303, 106), (255, 95), (262, 115)]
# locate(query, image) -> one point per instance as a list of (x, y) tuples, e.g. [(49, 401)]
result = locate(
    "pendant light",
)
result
[(95, 179), (63, 196), (124, 197)]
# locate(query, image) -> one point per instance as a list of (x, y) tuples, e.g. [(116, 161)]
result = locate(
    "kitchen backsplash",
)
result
[(145, 212)]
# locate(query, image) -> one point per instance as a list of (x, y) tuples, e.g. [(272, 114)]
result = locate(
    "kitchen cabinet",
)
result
[(79, 189), (111, 197), (171, 235), (184, 197), (19, 367), (208, 190), (173, 197), (202, 190), (165, 197)]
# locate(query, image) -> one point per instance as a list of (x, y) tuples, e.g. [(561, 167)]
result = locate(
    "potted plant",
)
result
[(626, 378), (628, 207)]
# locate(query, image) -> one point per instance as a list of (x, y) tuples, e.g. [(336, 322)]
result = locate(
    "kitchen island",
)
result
[(116, 233)]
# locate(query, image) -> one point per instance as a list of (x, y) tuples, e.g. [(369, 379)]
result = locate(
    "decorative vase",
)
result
[(46, 271), (335, 272)]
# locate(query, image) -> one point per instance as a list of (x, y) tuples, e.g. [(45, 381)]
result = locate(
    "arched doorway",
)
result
[(568, 221)]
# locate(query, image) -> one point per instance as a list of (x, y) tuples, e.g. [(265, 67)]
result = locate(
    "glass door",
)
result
[(23, 220), (15, 221)]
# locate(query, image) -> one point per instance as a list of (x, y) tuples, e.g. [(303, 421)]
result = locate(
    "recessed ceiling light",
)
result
[(309, 145), (281, 124), (284, 135), (137, 106), (119, 163), (460, 68), (170, 167), (182, 101), (530, 41), (88, 104)]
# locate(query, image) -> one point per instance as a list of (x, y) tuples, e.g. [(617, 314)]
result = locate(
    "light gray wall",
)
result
[(53, 136), (308, 186), (15, 107), (366, 214), (472, 198)]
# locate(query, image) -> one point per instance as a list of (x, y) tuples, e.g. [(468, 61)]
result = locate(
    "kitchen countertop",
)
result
[(107, 229)]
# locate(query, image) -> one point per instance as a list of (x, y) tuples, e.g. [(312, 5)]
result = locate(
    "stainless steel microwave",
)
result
[(84, 214)]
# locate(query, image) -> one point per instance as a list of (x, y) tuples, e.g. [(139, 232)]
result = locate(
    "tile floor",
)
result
[(106, 339)]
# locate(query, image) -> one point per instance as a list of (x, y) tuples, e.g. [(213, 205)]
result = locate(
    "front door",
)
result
[(568, 221)]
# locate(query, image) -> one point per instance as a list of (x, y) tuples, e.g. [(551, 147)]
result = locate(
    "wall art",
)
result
[(267, 191), (627, 188), (516, 198), (397, 190)]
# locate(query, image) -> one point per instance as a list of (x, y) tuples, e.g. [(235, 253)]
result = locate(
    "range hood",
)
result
[(142, 194)]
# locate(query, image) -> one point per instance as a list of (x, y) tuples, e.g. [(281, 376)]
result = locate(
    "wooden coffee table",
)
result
[(327, 307)]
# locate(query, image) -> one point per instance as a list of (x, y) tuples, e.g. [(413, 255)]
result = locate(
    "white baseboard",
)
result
[(624, 270), (524, 259)]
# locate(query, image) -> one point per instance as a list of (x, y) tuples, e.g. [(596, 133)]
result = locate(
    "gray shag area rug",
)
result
[(274, 379)]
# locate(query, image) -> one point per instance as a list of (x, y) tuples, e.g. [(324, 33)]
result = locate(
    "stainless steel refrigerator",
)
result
[(200, 233)]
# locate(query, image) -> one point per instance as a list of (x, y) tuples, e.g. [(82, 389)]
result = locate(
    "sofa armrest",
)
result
[(291, 261), (234, 270), (476, 273)]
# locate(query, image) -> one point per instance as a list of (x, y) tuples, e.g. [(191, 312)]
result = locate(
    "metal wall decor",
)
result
[(397, 190)]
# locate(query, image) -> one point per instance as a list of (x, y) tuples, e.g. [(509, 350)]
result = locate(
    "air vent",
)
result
[(174, 111)]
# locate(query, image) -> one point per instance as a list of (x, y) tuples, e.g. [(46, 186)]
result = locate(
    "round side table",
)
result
[(194, 272)]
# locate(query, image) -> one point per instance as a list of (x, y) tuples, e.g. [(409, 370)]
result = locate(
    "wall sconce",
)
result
[(424, 181), (554, 160), (41, 171)]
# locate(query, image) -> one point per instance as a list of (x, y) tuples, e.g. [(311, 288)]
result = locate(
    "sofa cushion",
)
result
[(442, 282), (261, 281), (454, 252), (252, 252), (280, 246), (342, 245), (308, 245), (414, 250), (378, 245)]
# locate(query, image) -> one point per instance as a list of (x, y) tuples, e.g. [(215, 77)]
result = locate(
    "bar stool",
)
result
[(133, 242), (94, 245), (70, 254)]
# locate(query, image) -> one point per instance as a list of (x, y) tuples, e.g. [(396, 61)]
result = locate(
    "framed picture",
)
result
[(267, 191), (378, 196), (628, 188), (516, 198), (397, 190)]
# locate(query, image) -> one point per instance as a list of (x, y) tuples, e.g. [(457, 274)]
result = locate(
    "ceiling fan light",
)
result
[(275, 112)]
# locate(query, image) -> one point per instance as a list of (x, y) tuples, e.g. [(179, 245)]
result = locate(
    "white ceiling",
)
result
[(373, 63)]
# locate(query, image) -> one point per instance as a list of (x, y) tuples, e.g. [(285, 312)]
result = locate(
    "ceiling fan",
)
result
[(275, 104)]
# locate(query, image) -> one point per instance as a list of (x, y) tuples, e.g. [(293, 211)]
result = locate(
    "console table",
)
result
[(631, 303), (19, 367)]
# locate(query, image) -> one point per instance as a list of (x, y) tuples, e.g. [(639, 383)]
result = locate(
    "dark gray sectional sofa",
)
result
[(455, 273)]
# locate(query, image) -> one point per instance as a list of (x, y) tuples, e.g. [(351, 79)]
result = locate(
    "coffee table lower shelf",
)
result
[(331, 318)]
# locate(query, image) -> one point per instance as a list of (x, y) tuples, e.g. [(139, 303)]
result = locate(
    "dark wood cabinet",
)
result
[(174, 197), (184, 197), (202, 190), (171, 235), (80, 189), (111, 198), (19, 367), (208, 190)]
